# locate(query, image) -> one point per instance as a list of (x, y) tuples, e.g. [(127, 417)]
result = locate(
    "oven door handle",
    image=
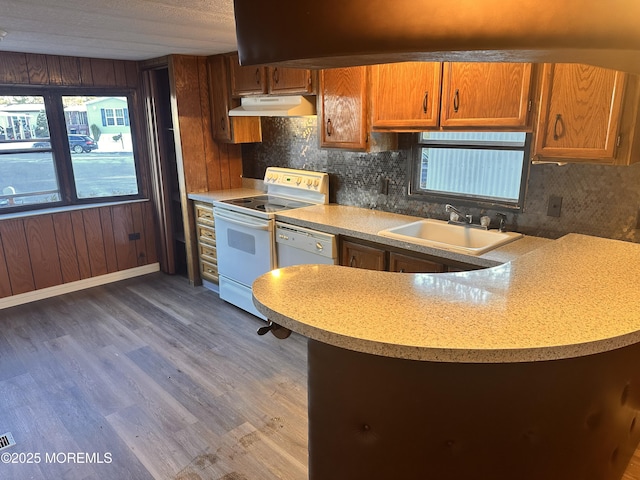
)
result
[(255, 225)]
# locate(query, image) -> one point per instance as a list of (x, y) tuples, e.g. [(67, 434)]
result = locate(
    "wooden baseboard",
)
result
[(49, 292)]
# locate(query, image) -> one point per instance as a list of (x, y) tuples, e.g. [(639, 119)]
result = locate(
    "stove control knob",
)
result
[(316, 182), (308, 181), (298, 180)]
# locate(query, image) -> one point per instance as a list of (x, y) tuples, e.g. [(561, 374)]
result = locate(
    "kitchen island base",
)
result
[(381, 418)]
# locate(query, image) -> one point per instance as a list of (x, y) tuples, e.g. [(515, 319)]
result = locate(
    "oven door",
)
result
[(245, 246), (246, 250)]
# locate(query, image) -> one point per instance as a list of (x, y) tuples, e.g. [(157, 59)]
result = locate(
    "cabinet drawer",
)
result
[(204, 214), (208, 253), (209, 271), (206, 234)]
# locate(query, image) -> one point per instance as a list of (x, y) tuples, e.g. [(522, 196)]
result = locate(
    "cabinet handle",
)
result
[(258, 76), (276, 75), (425, 102), (559, 122), (222, 125), (329, 127), (352, 262), (456, 101)]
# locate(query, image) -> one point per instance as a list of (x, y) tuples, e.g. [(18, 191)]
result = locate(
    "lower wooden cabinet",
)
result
[(358, 255), (206, 234), (399, 262), (372, 256)]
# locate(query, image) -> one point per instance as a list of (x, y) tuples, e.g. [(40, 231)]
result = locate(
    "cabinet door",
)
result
[(362, 256), (246, 80), (225, 128), (219, 97), (343, 101), (399, 262), (290, 80), (486, 95), (405, 96), (580, 110)]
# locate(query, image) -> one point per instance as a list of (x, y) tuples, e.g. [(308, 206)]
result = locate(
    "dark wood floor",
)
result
[(166, 379)]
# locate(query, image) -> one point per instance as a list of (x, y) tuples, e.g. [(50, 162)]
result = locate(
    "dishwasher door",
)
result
[(300, 246)]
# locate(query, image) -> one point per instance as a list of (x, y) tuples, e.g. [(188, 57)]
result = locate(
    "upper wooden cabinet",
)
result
[(226, 128), (415, 96), (246, 80), (486, 95), (290, 80), (405, 95), (266, 80), (580, 112), (343, 107)]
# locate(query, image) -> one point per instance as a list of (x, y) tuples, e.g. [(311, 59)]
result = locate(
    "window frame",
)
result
[(60, 149), (414, 191)]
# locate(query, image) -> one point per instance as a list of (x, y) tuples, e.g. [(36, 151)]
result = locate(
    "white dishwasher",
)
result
[(299, 246)]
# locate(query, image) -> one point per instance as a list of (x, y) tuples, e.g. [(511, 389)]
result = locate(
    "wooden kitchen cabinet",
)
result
[(206, 235), (406, 96), (343, 112), (342, 118), (290, 81), (486, 95), (268, 80), (246, 80), (373, 256), (399, 262), (357, 255), (580, 112), (225, 128)]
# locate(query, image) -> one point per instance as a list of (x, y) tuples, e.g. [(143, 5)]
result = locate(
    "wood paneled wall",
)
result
[(207, 164), (49, 249), (42, 251), (35, 69)]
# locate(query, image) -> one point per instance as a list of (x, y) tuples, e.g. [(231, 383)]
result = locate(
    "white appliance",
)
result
[(275, 106), (245, 228), (298, 246)]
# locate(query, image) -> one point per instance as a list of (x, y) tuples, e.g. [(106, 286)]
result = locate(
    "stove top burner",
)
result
[(267, 203)]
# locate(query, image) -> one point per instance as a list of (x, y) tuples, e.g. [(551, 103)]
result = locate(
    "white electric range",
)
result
[(245, 238)]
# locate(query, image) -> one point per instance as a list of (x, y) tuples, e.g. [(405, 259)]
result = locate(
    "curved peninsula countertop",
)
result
[(571, 297)]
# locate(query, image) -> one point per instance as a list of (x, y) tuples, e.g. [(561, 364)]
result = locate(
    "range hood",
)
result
[(275, 106), (338, 33)]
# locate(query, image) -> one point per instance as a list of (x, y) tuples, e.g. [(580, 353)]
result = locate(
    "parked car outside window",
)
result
[(77, 144)]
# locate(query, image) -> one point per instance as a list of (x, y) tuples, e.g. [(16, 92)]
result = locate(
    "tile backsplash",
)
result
[(596, 200)]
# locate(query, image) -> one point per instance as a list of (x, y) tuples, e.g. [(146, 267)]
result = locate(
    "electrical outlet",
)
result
[(554, 206), (134, 236)]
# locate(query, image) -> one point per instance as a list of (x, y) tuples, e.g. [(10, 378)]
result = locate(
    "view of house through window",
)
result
[(101, 146), (96, 155), (474, 166)]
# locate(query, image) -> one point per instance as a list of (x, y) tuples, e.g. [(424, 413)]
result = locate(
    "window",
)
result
[(56, 150), (478, 168), (115, 116)]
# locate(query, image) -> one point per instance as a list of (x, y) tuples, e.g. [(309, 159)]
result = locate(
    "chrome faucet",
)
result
[(502, 220), (462, 218)]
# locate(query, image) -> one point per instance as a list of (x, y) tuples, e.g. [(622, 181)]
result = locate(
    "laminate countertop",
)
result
[(364, 224), (570, 297)]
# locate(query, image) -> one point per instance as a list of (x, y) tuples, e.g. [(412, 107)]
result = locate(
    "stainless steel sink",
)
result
[(455, 238)]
